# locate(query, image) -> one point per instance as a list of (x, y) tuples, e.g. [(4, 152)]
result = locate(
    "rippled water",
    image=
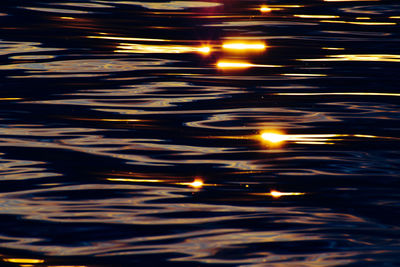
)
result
[(191, 133)]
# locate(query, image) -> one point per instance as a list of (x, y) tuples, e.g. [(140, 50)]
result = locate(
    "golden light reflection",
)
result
[(273, 137), (265, 9), (276, 138), (244, 46), (10, 98), (232, 65), (161, 49), (277, 194), (333, 48), (197, 183), (358, 57), (21, 260), (317, 16)]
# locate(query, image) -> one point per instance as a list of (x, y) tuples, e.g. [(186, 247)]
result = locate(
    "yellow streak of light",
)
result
[(10, 98), (20, 260), (273, 137), (360, 23), (244, 46), (358, 57), (233, 65), (197, 183), (276, 138), (394, 17), (134, 180), (265, 9), (162, 49), (226, 64), (204, 49), (277, 194), (363, 18), (70, 18), (317, 16), (332, 48)]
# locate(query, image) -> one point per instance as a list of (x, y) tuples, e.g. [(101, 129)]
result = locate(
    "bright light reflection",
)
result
[(233, 65), (244, 46), (273, 137), (277, 194), (160, 49), (19, 260), (265, 9), (197, 183), (227, 64)]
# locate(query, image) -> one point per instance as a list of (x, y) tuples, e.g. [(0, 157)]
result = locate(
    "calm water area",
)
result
[(199, 133)]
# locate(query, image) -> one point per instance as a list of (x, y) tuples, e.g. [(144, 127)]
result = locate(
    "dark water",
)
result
[(110, 110)]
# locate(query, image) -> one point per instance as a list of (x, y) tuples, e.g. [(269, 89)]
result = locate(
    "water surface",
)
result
[(196, 133)]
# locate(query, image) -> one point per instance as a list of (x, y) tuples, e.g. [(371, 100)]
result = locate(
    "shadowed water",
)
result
[(194, 133)]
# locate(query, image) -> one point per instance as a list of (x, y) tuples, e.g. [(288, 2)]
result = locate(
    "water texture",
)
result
[(199, 133)]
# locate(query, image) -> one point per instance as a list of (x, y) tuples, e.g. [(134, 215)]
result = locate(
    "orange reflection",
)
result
[(273, 137), (161, 49), (197, 183), (317, 16), (244, 46), (236, 64), (233, 64), (277, 194), (20, 260), (265, 9)]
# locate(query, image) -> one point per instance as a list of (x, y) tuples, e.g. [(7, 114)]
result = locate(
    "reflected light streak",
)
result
[(360, 23), (226, 64), (273, 137), (276, 138), (317, 16), (20, 260), (265, 9), (277, 194), (244, 46), (358, 57), (161, 49), (197, 183)]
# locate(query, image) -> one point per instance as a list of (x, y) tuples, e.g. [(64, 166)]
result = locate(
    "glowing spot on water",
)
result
[(20, 260), (273, 137), (265, 9), (277, 194), (233, 65), (204, 50), (244, 46), (197, 183)]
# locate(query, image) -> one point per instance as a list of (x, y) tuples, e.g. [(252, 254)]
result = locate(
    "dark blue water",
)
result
[(199, 133)]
